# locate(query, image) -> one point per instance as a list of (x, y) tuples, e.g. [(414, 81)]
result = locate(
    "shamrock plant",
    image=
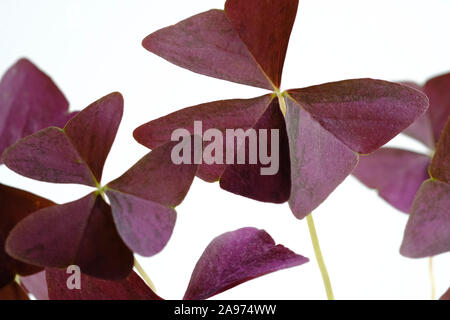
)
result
[(229, 260), (322, 129), (90, 233)]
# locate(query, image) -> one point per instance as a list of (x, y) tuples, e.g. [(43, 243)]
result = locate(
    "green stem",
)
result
[(319, 257), (144, 275)]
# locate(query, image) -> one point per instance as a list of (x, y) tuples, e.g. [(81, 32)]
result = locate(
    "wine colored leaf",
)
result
[(440, 166), (36, 285), (49, 156), (13, 292), (82, 233), (438, 91), (29, 102), (157, 178), (396, 174), (428, 230), (207, 44), (364, 114), (15, 205), (93, 130), (421, 129), (319, 161), (237, 257), (265, 28), (221, 115), (446, 295), (248, 179), (145, 226), (131, 288)]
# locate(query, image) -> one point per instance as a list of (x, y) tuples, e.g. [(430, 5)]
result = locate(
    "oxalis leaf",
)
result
[(89, 232), (29, 101), (428, 230), (15, 205), (325, 129), (229, 260), (397, 173)]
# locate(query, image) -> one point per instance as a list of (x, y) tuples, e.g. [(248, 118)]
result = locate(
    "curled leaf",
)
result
[(236, 257)]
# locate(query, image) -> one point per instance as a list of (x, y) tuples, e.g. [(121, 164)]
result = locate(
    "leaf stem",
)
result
[(281, 100), (432, 278), (144, 275), (319, 257)]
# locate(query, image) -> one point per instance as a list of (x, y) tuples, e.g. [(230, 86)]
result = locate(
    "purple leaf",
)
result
[(440, 166), (156, 178), (446, 295), (13, 292), (364, 114), (15, 205), (49, 156), (319, 161), (93, 130), (36, 285), (247, 179), (428, 230), (236, 257), (143, 198), (145, 226), (131, 288), (221, 115), (265, 28), (396, 174), (437, 90), (83, 234), (207, 44), (29, 101)]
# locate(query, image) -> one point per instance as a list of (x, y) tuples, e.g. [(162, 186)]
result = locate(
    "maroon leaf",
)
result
[(131, 288), (319, 161), (29, 101), (446, 295), (247, 179), (265, 28), (207, 44), (364, 114), (236, 257), (437, 90), (15, 205), (221, 115), (145, 226), (92, 131), (49, 156), (83, 234), (428, 230), (143, 198), (13, 292), (440, 166), (396, 174), (36, 285)]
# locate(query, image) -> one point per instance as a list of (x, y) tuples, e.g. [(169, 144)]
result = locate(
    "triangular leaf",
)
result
[(83, 234), (237, 257), (248, 179), (36, 285), (440, 167), (319, 161), (428, 230), (29, 102), (397, 175), (265, 28), (364, 114), (437, 90), (207, 44)]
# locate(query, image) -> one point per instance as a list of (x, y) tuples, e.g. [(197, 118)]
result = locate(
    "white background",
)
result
[(93, 47)]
